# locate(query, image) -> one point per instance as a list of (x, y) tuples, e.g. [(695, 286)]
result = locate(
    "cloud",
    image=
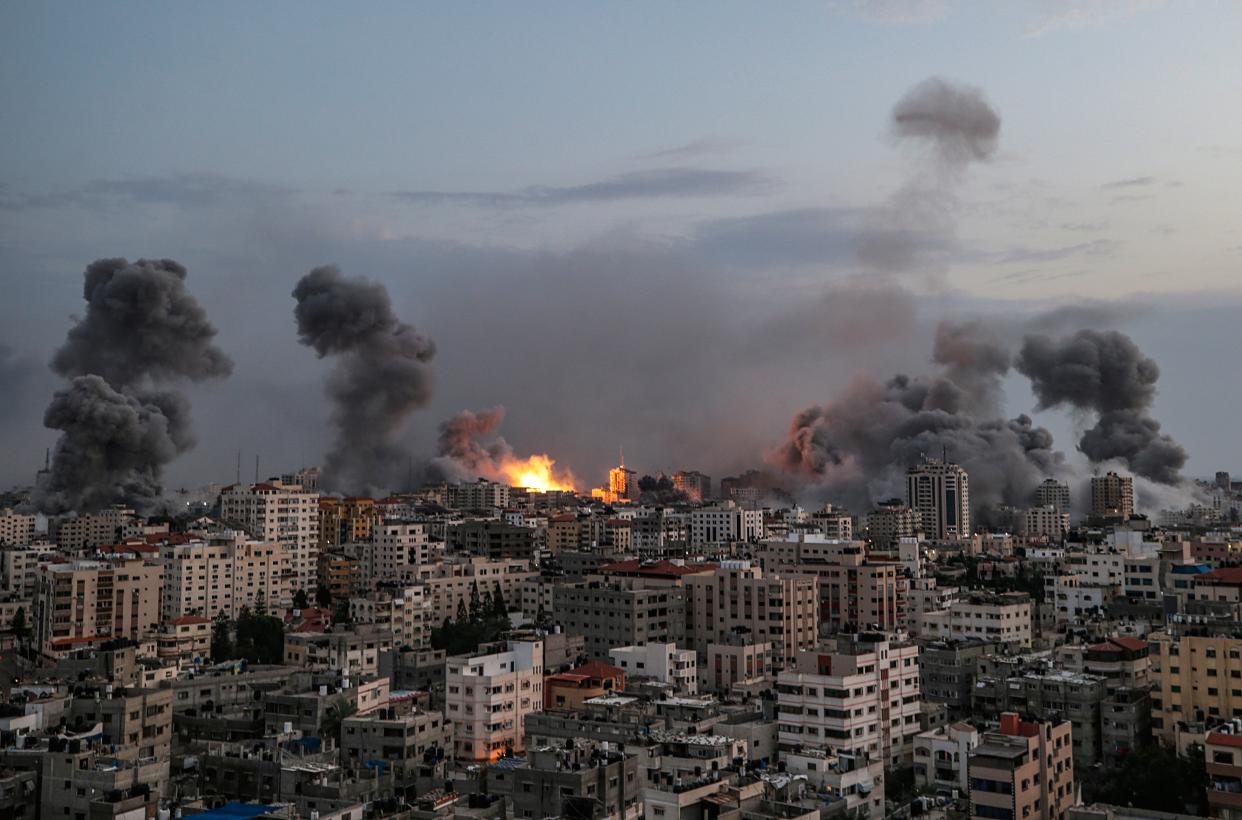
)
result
[(654, 183), (1132, 182), (188, 190), (1053, 15), (690, 150), (1098, 247)]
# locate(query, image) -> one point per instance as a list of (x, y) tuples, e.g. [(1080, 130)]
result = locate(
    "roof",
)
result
[(1118, 642), (598, 669), (1224, 740), (662, 568), (1224, 575), (237, 811), (185, 620)]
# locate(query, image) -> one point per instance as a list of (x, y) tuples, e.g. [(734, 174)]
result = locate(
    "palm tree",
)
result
[(334, 719)]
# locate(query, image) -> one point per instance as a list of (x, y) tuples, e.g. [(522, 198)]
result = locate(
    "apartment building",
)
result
[(891, 521), (284, 514), (19, 567), (942, 758), (1196, 677), (222, 572), (663, 662), (742, 663), (355, 651), (404, 611), (348, 520), (1047, 522), (855, 695), (736, 597), (724, 524), (1222, 756), (79, 603), (558, 782), (449, 581), (611, 615), (16, 529), (74, 533), (1022, 770), (341, 573), (488, 696), (947, 672), (994, 617), (940, 493), (491, 539), (397, 550), (395, 740)]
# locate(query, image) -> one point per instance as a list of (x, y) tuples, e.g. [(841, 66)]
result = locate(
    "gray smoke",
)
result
[(1105, 372), (857, 448), (141, 329), (957, 127), (381, 376), (140, 323), (469, 446)]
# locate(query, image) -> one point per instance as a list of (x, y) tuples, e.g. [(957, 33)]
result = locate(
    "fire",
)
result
[(536, 473)]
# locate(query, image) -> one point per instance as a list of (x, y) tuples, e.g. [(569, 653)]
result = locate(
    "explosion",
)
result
[(470, 447)]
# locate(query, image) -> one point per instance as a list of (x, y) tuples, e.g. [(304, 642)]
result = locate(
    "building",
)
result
[(580, 778), (663, 662), (696, 486), (856, 695), (740, 598), (16, 529), (724, 523), (940, 493), (397, 550), (453, 581), (80, 603), (392, 740), (19, 567), (347, 520), (994, 617), (612, 615), (492, 539), (570, 690), (74, 533), (622, 484), (219, 573), (1023, 770), (1196, 678), (942, 758), (1044, 521), (488, 696), (279, 513), (947, 672), (1112, 497), (341, 574), (403, 611), (1053, 493), (742, 663), (891, 521), (1222, 756)]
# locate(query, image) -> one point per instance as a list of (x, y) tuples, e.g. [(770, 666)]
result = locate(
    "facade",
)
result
[(940, 493), (405, 612), (610, 615), (743, 663), (994, 617), (725, 523), (695, 485), (942, 758), (19, 567), (570, 690), (891, 521), (1196, 678), (279, 513), (1112, 497), (347, 520), (1046, 521), (947, 672), (578, 779), (488, 696), (221, 573), (450, 582), (16, 529), (740, 599), (860, 695), (494, 540), (397, 550), (1053, 493), (1222, 756), (393, 740), (83, 602), (1023, 770)]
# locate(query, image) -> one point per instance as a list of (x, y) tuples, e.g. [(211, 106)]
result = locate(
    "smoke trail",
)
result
[(856, 448), (381, 377), (1106, 373), (462, 455), (141, 328), (956, 120)]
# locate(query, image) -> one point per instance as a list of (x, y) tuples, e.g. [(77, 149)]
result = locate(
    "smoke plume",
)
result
[(141, 329), (858, 447), (382, 375), (469, 446), (955, 120), (1105, 372)]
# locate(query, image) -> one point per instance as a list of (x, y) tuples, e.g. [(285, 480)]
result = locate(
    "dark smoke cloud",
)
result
[(956, 120), (141, 329), (113, 445), (140, 323), (381, 377), (1105, 372), (856, 448), (16, 371), (469, 446), (659, 489)]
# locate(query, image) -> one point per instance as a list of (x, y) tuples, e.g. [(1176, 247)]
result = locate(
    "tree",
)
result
[(476, 602), (19, 622), (341, 615), (334, 718), (541, 617), (300, 601), (462, 615), (1154, 777), (500, 608), (323, 595), (221, 639), (260, 638)]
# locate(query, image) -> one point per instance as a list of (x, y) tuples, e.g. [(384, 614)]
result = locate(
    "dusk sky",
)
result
[(638, 225)]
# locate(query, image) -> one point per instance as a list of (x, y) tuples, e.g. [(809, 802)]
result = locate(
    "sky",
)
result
[(635, 225)]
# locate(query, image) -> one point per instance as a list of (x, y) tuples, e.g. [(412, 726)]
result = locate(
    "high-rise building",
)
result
[(488, 695), (1224, 480), (80, 603), (1044, 521), (16, 529), (223, 572), (622, 484), (347, 520), (285, 514), (1112, 497), (1053, 493), (891, 521), (1024, 770), (695, 485), (613, 615), (939, 492)]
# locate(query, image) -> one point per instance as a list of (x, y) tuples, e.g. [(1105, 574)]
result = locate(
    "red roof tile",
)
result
[(1224, 575), (598, 669)]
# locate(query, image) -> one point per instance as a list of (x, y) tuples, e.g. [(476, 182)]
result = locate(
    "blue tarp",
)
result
[(236, 811)]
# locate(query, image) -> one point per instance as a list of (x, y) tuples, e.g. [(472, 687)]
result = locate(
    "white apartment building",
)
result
[(662, 661), (1047, 521), (19, 567), (1000, 618), (281, 513), (724, 523), (450, 581), (223, 572), (859, 696), (83, 602), (488, 696), (940, 493), (1073, 597), (16, 529), (942, 758), (78, 532)]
